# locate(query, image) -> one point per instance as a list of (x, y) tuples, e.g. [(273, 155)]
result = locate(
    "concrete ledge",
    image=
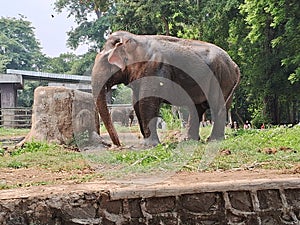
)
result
[(263, 201), (173, 189)]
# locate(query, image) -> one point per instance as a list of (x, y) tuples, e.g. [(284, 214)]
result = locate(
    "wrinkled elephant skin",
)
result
[(159, 69)]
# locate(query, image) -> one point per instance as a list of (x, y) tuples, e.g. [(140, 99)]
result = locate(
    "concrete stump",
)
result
[(64, 116)]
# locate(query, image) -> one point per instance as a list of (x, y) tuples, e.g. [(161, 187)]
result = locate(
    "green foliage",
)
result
[(251, 148), (259, 118), (156, 17), (162, 158), (31, 147), (43, 155), (25, 96), (92, 20), (61, 64), (261, 36), (122, 95), (19, 47), (69, 63), (172, 121), (4, 132), (4, 60)]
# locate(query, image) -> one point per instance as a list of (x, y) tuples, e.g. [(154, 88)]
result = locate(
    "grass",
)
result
[(43, 155), (10, 132), (275, 148), (162, 158)]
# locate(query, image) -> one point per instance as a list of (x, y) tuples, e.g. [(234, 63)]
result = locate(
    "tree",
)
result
[(20, 50), (260, 35), (92, 19), (4, 60), (286, 17), (122, 95), (69, 63), (176, 18), (61, 64), (266, 73), (19, 47)]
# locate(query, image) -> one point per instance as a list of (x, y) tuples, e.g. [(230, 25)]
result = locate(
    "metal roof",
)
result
[(32, 75)]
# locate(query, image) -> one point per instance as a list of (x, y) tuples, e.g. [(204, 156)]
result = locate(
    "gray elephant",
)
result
[(163, 69), (124, 115)]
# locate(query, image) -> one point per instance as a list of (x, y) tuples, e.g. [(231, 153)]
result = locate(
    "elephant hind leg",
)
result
[(149, 111), (136, 108), (194, 121)]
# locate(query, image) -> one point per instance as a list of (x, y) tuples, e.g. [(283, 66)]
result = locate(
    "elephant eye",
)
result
[(115, 42)]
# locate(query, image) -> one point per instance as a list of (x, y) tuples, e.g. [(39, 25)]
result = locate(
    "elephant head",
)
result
[(106, 73), (104, 76)]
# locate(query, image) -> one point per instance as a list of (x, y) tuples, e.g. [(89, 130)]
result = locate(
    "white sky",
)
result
[(51, 32)]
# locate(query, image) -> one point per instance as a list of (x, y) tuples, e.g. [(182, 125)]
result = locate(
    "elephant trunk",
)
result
[(106, 118)]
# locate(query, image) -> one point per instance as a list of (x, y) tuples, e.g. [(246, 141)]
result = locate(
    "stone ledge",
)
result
[(167, 188), (264, 201)]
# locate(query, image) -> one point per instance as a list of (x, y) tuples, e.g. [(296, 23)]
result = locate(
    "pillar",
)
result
[(8, 100)]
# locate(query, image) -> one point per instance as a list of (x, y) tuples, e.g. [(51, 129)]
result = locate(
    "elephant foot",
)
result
[(151, 142), (193, 137), (215, 138)]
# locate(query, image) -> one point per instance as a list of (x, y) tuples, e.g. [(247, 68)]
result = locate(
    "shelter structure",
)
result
[(14, 80), (9, 84)]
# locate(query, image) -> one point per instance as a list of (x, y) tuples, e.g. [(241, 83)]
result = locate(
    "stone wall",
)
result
[(259, 202)]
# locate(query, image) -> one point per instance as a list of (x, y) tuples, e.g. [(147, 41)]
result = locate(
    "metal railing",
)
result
[(15, 117), (20, 117)]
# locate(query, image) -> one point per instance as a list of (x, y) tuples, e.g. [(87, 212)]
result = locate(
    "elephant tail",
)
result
[(238, 79)]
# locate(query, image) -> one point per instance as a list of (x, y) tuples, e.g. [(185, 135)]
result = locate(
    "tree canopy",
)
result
[(19, 48), (262, 36)]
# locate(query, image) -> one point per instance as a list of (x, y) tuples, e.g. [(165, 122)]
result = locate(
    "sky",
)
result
[(50, 31)]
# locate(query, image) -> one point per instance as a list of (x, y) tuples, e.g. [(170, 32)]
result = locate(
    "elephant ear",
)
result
[(115, 57), (118, 55)]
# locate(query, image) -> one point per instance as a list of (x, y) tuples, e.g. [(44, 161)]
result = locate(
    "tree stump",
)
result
[(64, 116)]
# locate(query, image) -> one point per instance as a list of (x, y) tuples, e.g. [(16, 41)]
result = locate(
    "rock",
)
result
[(63, 116)]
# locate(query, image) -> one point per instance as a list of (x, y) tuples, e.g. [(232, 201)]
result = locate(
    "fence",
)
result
[(21, 117), (15, 117)]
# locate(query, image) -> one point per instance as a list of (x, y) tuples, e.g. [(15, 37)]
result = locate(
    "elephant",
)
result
[(124, 115), (164, 69)]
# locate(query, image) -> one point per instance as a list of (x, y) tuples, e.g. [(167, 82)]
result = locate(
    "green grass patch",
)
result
[(166, 157), (43, 155), (242, 149), (276, 148), (10, 132)]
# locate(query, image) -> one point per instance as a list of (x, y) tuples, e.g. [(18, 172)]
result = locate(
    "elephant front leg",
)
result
[(148, 113)]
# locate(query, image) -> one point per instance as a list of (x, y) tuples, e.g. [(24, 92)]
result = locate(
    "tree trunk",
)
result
[(166, 25), (271, 108)]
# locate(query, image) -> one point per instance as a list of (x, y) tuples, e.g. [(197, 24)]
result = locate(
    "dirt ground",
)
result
[(29, 177)]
